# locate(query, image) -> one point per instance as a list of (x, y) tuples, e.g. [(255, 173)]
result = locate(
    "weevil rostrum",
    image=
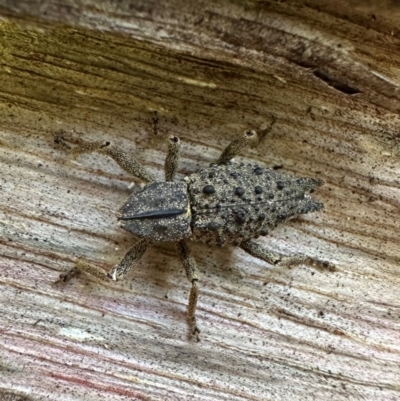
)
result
[(226, 203)]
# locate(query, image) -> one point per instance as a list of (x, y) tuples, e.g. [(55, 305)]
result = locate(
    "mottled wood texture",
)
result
[(329, 75)]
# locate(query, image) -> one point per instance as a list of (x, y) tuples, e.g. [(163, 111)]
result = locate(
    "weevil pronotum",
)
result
[(226, 203)]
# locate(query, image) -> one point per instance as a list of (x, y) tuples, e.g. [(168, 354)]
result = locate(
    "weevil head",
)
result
[(160, 211)]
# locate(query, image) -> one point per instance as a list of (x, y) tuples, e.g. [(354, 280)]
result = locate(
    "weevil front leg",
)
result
[(127, 263), (172, 159), (130, 259), (192, 274), (81, 265), (174, 152), (236, 146), (277, 259), (123, 158)]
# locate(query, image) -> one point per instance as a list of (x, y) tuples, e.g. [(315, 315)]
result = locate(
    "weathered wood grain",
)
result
[(210, 70)]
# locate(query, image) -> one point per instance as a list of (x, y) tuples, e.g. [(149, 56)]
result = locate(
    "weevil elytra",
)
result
[(226, 203)]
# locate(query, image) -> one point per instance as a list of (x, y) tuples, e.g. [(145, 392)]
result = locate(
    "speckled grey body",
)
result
[(235, 202), (226, 203)]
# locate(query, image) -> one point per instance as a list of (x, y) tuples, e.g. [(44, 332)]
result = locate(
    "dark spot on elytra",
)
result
[(240, 218), (261, 216), (208, 190), (214, 225), (239, 191), (211, 174), (264, 232), (280, 185), (258, 190), (258, 171)]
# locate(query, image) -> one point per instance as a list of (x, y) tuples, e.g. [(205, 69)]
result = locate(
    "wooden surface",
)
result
[(328, 74)]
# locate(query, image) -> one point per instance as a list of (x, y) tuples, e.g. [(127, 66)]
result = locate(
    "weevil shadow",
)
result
[(161, 263)]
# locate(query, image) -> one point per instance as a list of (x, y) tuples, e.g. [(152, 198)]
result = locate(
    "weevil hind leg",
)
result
[(123, 158), (273, 258), (192, 274)]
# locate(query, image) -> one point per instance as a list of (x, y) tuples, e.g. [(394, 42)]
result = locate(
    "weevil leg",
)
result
[(247, 138), (82, 266), (127, 263), (172, 159), (235, 147), (277, 259), (123, 158), (155, 122), (64, 277), (130, 259), (192, 274)]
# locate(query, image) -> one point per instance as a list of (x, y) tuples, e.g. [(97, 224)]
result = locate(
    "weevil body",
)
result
[(223, 204), (226, 203)]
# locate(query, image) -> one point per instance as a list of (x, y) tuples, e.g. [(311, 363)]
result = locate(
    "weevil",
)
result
[(226, 203)]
